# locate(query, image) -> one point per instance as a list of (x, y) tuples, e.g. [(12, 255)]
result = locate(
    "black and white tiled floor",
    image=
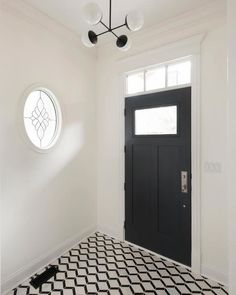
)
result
[(102, 265)]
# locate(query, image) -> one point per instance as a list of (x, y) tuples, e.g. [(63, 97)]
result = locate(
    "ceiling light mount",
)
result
[(93, 16)]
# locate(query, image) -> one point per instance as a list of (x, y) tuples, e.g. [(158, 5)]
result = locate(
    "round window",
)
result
[(42, 118)]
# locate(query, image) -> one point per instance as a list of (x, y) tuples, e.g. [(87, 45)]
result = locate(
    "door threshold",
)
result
[(158, 255)]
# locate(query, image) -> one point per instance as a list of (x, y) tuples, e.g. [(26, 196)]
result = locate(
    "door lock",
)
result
[(184, 182)]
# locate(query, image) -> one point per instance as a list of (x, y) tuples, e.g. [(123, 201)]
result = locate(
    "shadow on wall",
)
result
[(36, 170), (46, 196)]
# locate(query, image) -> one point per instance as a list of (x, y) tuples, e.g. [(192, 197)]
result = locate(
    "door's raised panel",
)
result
[(143, 181), (168, 190)]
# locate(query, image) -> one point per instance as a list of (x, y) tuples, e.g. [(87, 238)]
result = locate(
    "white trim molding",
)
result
[(28, 270), (109, 231), (158, 255), (196, 164), (213, 275), (201, 19), (190, 47), (27, 13), (205, 271)]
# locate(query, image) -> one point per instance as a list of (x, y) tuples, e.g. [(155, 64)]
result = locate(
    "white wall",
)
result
[(49, 200), (213, 148), (232, 141), (110, 135)]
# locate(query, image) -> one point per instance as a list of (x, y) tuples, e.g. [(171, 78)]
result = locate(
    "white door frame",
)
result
[(188, 47)]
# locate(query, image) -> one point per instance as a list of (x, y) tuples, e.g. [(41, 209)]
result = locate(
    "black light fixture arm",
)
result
[(110, 15), (93, 15), (122, 41), (109, 28)]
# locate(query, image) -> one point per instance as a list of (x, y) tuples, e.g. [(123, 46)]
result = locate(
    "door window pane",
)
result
[(179, 74), (156, 121), (155, 79), (135, 83)]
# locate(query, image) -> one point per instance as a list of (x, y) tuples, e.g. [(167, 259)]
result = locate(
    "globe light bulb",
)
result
[(134, 20), (92, 13)]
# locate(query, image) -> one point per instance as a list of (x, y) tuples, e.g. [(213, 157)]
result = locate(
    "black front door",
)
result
[(158, 173)]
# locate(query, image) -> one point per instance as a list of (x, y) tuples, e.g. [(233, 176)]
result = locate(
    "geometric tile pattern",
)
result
[(102, 265)]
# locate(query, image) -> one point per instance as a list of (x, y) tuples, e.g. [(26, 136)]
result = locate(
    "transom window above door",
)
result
[(160, 77)]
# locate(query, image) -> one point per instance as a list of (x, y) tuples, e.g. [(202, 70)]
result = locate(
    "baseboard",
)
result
[(24, 273), (207, 272), (27, 271), (215, 275), (109, 231), (158, 255)]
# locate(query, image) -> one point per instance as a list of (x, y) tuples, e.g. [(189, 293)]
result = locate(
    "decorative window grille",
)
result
[(41, 118)]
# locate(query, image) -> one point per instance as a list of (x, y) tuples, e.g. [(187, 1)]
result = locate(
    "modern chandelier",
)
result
[(93, 15)]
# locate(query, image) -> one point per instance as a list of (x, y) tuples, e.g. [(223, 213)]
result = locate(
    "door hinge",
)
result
[(125, 148), (125, 186), (124, 224), (124, 112)]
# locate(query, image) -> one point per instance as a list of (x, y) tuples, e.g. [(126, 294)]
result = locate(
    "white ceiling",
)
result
[(67, 12)]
